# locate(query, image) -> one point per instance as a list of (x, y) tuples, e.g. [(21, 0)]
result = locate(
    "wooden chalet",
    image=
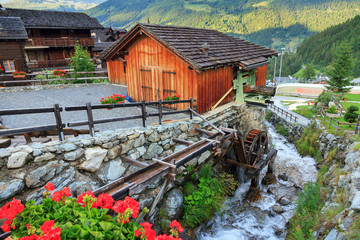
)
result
[(52, 35), (156, 60), (13, 37)]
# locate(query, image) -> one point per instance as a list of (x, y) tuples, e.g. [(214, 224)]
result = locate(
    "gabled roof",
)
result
[(100, 46), (12, 28), (52, 19), (188, 43)]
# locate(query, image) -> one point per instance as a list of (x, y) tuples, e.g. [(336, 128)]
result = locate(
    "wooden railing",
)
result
[(48, 63), (282, 112), (102, 77), (338, 124), (59, 42), (90, 120)]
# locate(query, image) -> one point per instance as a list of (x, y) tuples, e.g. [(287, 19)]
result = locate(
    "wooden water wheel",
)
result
[(255, 145)]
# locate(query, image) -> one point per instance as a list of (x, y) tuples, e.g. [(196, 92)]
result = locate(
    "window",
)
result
[(9, 66)]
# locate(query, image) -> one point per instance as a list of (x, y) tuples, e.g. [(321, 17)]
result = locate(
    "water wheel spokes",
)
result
[(255, 145)]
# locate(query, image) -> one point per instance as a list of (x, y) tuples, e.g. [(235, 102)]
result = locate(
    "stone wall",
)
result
[(85, 163)]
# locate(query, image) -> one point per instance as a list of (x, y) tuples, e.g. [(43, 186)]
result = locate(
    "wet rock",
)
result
[(67, 147), (111, 171), (184, 127), (42, 175), (178, 148), (146, 202), (277, 208), (356, 201), (10, 188), (283, 177), (37, 152), (174, 204), (44, 157), (204, 156), (183, 136), (74, 155), (141, 150), (24, 148), (332, 235), (5, 152), (17, 160), (284, 201), (94, 157), (154, 137)]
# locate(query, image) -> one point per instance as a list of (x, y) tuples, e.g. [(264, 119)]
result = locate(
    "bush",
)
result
[(282, 130), (81, 62), (325, 97), (332, 109), (307, 144), (351, 115), (268, 116)]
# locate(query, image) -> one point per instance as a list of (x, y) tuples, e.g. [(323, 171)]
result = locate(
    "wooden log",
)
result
[(262, 90), (357, 124), (4, 143)]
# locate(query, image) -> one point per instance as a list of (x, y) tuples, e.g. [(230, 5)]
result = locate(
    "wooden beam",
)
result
[(164, 163), (262, 90), (222, 98), (182, 141), (134, 162)]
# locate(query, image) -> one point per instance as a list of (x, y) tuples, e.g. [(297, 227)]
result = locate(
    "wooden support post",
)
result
[(143, 112), (337, 128), (160, 111), (191, 107), (59, 124), (357, 125), (85, 78), (27, 138), (158, 197), (90, 119)]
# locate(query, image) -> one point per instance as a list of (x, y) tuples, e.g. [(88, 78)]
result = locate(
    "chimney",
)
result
[(205, 48)]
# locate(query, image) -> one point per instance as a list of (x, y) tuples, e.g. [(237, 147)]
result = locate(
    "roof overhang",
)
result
[(253, 63)]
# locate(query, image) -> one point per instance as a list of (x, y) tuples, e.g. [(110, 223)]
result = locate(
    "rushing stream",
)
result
[(240, 219)]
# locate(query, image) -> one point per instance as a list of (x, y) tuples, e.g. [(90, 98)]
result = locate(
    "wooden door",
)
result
[(156, 83)]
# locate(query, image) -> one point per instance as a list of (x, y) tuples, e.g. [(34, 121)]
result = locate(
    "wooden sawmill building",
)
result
[(157, 60)]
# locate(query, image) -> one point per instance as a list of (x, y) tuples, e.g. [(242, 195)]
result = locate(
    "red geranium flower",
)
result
[(6, 226), (176, 224), (86, 195), (49, 187), (11, 209), (66, 192), (46, 227), (32, 237), (104, 200)]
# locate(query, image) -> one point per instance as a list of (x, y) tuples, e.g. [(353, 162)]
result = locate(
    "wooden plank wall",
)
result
[(260, 76), (116, 71), (12, 50), (147, 54), (212, 85)]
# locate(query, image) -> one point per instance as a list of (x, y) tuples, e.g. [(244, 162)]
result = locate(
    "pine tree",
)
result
[(309, 72), (341, 70)]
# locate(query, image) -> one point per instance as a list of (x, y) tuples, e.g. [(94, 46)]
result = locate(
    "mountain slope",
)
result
[(65, 5)]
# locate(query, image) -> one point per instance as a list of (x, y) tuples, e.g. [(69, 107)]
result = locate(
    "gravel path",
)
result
[(301, 119), (67, 97)]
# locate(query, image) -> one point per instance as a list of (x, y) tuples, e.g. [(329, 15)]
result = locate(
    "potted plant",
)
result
[(19, 74), (171, 98), (114, 99), (85, 217), (59, 72)]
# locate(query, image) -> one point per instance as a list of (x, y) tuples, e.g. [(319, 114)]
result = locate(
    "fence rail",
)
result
[(338, 124), (282, 112), (59, 126), (67, 77)]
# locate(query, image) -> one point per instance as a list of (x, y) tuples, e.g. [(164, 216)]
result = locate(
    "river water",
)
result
[(240, 219)]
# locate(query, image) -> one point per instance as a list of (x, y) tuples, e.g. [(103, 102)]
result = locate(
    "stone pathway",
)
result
[(66, 97), (277, 102)]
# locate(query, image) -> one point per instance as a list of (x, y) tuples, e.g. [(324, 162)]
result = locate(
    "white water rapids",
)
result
[(241, 220)]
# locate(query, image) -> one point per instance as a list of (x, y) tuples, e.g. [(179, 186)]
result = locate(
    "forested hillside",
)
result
[(320, 49), (64, 5), (268, 22)]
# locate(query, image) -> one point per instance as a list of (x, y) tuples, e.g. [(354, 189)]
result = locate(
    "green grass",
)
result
[(286, 103), (352, 97), (346, 105), (305, 111)]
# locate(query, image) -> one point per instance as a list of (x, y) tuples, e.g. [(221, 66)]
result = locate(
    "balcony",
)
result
[(58, 42), (48, 63)]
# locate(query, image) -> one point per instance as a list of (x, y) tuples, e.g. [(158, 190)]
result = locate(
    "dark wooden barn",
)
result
[(12, 40), (52, 35), (156, 60)]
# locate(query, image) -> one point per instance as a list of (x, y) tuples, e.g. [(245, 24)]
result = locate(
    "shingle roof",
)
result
[(187, 43), (100, 46), (52, 19), (12, 28), (102, 35)]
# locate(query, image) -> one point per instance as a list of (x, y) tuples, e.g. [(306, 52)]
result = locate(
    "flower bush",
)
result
[(85, 217), (115, 98), (16, 73), (171, 98), (1, 70), (59, 72)]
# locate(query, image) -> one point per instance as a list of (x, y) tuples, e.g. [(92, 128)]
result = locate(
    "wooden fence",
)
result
[(32, 78), (90, 120), (338, 124), (283, 112)]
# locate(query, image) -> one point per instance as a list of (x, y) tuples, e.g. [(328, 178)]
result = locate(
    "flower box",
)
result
[(19, 74), (114, 99)]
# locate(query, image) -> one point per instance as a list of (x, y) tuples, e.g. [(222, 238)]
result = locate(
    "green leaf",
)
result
[(97, 234), (107, 226)]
